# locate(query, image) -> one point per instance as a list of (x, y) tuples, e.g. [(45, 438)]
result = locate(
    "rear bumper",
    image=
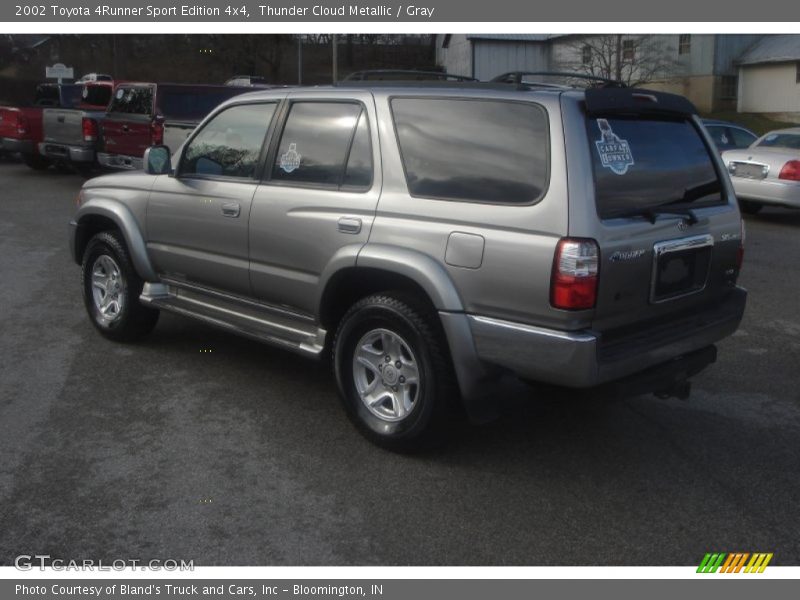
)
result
[(120, 161), (16, 145), (75, 154), (587, 358), (768, 191)]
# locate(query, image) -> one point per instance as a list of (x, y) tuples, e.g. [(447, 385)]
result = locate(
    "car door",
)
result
[(197, 219), (317, 201)]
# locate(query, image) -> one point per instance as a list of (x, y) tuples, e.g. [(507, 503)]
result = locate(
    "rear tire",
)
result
[(749, 207), (111, 290), (394, 372)]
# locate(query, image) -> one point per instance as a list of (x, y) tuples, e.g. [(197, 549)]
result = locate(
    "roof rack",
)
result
[(404, 75), (517, 77)]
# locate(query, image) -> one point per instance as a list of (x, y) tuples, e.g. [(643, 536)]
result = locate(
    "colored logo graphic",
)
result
[(734, 562)]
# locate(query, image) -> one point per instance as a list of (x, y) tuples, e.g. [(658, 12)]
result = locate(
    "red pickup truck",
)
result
[(21, 127), (146, 114)]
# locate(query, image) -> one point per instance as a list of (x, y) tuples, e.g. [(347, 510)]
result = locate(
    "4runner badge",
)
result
[(290, 160), (615, 153)]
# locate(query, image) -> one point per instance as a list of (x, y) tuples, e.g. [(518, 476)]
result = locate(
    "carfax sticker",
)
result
[(290, 160), (615, 153)]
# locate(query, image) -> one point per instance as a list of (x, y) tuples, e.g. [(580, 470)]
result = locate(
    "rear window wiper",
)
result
[(651, 214)]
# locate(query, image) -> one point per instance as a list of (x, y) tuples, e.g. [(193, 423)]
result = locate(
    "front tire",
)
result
[(111, 289), (393, 371)]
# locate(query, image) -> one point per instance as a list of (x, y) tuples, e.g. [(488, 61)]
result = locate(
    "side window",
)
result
[(721, 136), (473, 150), (317, 141), (229, 145), (741, 138)]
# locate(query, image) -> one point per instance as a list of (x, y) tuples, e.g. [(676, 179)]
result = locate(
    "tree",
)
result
[(632, 59)]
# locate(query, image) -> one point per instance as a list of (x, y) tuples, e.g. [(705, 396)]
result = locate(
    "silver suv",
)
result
[(432, 237)]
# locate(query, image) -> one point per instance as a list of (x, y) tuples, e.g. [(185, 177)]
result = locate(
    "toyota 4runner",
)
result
[(431, 237)]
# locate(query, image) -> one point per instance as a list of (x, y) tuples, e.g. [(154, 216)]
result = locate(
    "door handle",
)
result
[(231, 210), (125, 128), (350, 225)]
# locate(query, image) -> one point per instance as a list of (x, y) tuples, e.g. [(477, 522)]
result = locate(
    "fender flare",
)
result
[(127, 224)]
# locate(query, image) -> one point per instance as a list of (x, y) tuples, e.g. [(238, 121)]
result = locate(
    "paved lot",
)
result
[(242, 455)]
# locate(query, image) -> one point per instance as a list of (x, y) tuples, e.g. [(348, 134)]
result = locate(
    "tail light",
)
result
[(89, 127), (573, 283), (791, 171), (22, 125), (156, 133)]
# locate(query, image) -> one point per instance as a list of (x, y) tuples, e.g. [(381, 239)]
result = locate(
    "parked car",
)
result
[(145, 114), (21, 127), (72, 135), (430, 238), (768, 172), (729, 136)]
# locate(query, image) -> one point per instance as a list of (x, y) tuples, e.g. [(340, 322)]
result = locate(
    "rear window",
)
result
[(96, 95), (473, 150), (191, 104), (67, 96), (644, 164), (781, 140), (136, 100)]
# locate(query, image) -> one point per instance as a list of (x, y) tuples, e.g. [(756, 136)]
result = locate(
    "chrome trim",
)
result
[(679, 245)]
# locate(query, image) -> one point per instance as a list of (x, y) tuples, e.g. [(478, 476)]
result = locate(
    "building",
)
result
[(773, 65), (701, 67)]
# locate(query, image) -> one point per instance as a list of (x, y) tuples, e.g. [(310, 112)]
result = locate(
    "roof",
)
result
[(773, 49), (512, 37)]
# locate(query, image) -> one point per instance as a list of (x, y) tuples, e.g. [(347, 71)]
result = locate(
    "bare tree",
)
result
[(632, 59)]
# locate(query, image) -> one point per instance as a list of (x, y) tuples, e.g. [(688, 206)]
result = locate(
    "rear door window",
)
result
[(473, 150), (136, 100), (641, 164), (324, 144)]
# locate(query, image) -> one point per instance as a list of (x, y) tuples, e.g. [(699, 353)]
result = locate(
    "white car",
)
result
[(768, 172)]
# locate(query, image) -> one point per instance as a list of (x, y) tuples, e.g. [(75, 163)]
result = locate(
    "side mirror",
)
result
[(156, 160)]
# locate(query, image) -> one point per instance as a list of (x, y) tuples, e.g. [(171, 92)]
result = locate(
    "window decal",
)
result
[(290, 160), (615, 153)]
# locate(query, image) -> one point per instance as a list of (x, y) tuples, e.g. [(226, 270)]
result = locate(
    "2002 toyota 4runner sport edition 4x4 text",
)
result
[(432, 237)]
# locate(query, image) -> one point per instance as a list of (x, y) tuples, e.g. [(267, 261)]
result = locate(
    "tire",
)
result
[(750, 208), (410, 393), (36, 162), (107, 270)]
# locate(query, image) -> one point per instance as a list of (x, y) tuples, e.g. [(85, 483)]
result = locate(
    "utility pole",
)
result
[(300, 59), (335, 60)]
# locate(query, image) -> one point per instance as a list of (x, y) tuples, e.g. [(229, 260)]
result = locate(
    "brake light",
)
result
[(791, 171), (22, 125), (89, 127), (156, 133), (573, 283)]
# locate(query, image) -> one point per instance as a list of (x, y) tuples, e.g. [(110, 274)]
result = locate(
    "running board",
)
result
[(260, 322)]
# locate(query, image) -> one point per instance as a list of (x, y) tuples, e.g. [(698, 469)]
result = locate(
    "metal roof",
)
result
[(513, 37), (773, 49)]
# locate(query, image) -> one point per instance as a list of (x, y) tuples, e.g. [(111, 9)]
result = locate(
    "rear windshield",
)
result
[(191, 104), (137, 100), (96, 95), (49, 95), (644, 164), (781, 140)]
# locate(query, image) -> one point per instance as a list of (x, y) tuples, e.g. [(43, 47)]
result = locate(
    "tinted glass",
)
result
[(359, 163), (315, 143), (229, 145), (781, 140), (723, 139), (96, 95), (641, 164), (483, 151), (191, 104), (132, 100), (742, 138)]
